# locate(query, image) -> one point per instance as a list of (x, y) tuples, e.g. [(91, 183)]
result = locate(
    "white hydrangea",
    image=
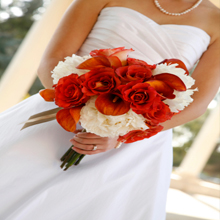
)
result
[(171, 68), (109, 126), (182, 100), (67, 67)]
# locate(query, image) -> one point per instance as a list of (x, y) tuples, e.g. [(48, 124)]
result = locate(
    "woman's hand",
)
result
[(84, 143)]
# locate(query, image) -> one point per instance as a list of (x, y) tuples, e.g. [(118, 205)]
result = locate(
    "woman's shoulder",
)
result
[(210, 16)]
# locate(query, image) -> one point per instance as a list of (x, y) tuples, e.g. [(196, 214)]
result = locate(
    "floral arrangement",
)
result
[(113, 95)]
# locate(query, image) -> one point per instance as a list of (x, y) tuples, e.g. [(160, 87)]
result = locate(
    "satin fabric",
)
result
[(127, 183)]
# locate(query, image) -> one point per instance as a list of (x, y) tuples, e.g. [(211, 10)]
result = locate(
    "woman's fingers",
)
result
[(87, 135), (83, 146), (89, 141), (84, 143), (91, 152), (77, 131)]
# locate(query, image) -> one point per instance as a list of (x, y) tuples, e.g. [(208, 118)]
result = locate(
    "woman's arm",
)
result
[(207, 80), (70, 34)]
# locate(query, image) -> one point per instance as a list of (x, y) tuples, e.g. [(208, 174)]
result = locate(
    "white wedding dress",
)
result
[(129, 183)]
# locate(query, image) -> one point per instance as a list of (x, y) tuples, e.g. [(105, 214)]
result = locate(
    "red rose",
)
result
[(133, 61), (99, 81), (158, 112), (138, 135), (68, 92), (133, 72), (140, 95)]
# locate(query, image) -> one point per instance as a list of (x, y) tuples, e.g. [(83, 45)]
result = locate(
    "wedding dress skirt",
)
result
[(129, 183)]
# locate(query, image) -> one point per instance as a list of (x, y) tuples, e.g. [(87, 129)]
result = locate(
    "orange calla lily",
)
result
[(48, 94), (94, 62), (162, 88), (68, 118), (171, 80), (179, 62), (111, 104), (75, 113)]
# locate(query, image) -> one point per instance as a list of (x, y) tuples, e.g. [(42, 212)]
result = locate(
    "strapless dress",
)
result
[(129, 183)]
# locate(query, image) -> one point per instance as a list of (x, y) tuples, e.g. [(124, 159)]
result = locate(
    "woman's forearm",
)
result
[(44, 72), (193, 111)]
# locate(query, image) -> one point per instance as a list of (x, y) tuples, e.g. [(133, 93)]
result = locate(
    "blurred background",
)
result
[(196, 145)]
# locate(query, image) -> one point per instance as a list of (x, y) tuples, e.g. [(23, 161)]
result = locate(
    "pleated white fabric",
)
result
[(128, 183)]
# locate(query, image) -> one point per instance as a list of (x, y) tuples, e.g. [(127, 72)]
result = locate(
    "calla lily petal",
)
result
[(75, 113), (162, 88), (65, 119), (48, 94), (173, 81), (111, 104), (179, 62), (99, 61)]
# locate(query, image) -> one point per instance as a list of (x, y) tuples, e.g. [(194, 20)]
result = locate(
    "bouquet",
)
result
[(113, 95)]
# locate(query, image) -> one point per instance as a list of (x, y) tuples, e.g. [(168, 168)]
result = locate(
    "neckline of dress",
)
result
[(183, 25)]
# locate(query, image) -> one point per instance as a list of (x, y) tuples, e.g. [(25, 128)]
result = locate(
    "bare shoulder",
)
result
[(97, 4), (211, 17)]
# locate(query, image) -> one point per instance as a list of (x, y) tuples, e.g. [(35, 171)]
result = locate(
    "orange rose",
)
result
[(99, 81), (133, 72)]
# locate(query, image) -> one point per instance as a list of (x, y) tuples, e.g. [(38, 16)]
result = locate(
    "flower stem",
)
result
[(71, 153), (64, 156), (72, 160), (71, 157), (79, 159)]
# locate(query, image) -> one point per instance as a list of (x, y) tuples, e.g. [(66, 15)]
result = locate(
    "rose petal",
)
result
[(173, 81), (137, 135), (133, 61), (162, 88), (48, 94), (122, 55), (99, 61), (111, 104), (105, 52), (179, 62)]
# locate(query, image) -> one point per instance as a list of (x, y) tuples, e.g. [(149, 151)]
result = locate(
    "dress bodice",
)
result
[(120, 26)]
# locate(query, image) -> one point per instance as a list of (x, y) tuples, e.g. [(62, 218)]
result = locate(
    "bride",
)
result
[(129, 183)]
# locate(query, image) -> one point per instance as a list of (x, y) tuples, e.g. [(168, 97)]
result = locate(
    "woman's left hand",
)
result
[(84, 143)]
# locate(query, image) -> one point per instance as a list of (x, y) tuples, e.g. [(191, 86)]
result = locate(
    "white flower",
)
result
[(109, 126), (181, 100), (68, 67), (171, 68)]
